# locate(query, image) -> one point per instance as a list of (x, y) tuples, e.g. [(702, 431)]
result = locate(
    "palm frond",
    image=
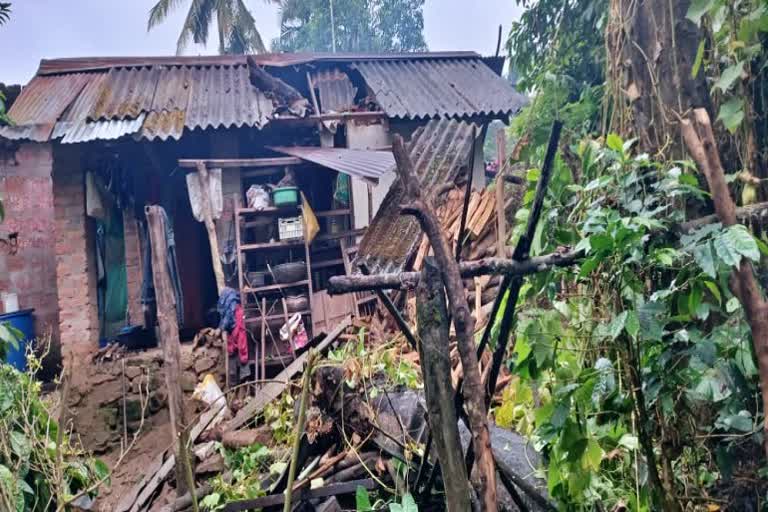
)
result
[(5, 12), (196, 24), (160, 11)]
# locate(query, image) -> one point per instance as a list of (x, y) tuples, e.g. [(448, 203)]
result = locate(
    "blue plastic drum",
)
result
[(24, 322)]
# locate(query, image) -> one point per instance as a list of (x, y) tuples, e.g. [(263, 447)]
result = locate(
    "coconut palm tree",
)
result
[(236, 26)]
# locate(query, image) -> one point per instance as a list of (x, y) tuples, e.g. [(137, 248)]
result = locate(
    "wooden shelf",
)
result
[(342, 234), (257, 318), (272, 287), (269, 210), (333, 213), (280, 244)]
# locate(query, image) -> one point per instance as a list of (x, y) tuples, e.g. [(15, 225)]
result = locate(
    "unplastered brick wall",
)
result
[(75, 260), (29, 269), (97, 410)]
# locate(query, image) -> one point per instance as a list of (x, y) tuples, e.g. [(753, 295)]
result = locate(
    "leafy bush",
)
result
[(40, 468)]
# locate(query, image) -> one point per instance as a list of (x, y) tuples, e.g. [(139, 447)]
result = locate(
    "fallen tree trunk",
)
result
[(436, 370), (467, 270), (744, 215), (464, 323)]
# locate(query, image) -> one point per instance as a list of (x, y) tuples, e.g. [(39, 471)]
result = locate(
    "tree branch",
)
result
[(468, 269)]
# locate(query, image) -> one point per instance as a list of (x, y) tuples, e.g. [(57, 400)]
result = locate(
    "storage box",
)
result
[(290, 228)]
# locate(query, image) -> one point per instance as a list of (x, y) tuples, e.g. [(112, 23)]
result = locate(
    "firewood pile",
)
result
[(481, 238)]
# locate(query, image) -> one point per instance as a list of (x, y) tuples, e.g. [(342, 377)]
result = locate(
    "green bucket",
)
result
[(285, 196)]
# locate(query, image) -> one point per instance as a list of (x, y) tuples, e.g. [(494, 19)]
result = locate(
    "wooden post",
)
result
[(432, 314), (169, 337), (210, 227), (370, 202), (501, 220)]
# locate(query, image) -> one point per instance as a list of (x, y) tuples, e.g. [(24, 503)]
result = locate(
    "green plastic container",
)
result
[(285, 196)]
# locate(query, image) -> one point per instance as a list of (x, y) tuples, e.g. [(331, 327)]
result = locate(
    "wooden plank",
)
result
[(300, 495), (501, 220), (272, 390), (228, 163), (279, 244), (341, 234), (169, 338), (275, 286)]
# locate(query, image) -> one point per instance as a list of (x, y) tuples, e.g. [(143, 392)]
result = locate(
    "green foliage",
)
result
[(736, 37), (5, 12), (639, 286), (248, 466), (28, 449), (360, 26), (236, 26), (279, 415)]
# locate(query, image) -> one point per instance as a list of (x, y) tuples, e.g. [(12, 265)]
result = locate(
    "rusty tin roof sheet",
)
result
[(40, 104), (335, 90), (369, 165), (438, 151), (458, 88)]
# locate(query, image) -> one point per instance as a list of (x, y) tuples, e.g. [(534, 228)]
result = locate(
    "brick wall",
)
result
[(30, 271), (133, 267), (75, 260)]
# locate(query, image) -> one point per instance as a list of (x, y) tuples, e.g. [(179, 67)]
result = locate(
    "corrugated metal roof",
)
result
[(438, 151), (335, 90), (369, 165), (125, 94), (460, 88), (102, 130), (56, 66), (40, 104)]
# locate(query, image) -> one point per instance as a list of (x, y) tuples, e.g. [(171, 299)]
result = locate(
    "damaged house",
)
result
[(296, 149)]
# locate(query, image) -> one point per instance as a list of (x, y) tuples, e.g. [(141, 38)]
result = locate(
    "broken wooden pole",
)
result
[(299, 430), (467, 270), (169, 338), (436, 370), (415, 204), (501, 220), (467, 195), (210, 227)]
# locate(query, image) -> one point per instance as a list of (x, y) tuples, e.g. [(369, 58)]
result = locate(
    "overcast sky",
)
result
[(84, 28)]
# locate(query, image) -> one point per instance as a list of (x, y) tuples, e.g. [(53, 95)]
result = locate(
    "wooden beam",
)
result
[(501, 220), (169, 339), (228, 163), (435, 360), (301, 495)]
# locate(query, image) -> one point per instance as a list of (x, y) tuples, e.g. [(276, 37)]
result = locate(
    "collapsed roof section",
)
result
[(85, 99), (438, 150)]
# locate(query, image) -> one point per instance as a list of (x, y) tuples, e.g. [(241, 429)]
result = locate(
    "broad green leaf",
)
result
[(20, 445), (629, 442), (715, 291), (632, 324), (614, 142), (729, 77), (699, 59), (732, 305), (705, 258), (726, 250), (743, 241), (617, 325), (362, 500), (732, 114), (741, 422), (592, 456), (697, 9)]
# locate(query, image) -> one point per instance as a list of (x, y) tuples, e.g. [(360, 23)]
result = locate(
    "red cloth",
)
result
[(238, 341)]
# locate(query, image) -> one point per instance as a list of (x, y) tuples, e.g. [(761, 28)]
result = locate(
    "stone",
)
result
[(131, 372), (132, 409), (188, 381), (204, 364), (108, 415), (157, 401)]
